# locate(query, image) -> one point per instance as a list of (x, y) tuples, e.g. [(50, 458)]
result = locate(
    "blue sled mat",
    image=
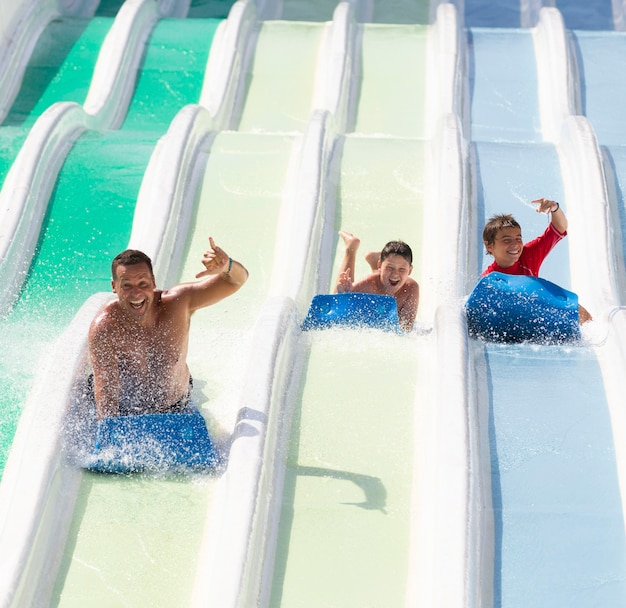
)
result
[(352, 310), (153, 442), (512, 308)]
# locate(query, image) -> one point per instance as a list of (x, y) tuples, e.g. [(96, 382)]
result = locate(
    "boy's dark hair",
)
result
[(496, 223), (397, 248), (129, 257)]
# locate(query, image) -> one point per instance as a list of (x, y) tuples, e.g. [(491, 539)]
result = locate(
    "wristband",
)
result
[(557, 208), (230, 265)]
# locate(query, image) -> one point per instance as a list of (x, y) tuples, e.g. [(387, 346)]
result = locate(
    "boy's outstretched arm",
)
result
[(346, 270), (557, 217)]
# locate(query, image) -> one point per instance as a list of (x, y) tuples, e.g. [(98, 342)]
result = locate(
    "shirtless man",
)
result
[(138, 343), (391, 268)]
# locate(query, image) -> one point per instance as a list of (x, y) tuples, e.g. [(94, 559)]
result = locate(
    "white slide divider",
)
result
[(237, 551), (225, 66), (619, 14), (451, 555), (557, 98), (597, 267), (338, 65), (444, 89), (592, 259)]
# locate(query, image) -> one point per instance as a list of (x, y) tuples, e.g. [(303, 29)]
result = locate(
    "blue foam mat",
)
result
[(153, 442), (352, 309), (513, 308)]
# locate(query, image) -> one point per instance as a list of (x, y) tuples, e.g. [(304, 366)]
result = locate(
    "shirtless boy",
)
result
[(391, 268), (502, 237), (138, 343)]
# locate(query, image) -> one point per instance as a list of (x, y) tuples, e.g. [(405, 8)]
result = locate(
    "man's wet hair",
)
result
[(495, 224), (397, 248), (130, 257)]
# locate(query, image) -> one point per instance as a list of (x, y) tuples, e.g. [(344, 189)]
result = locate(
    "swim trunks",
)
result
[(128, 408)]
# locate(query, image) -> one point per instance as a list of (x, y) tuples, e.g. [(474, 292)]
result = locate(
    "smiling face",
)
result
[(134, 285), (394, 271), (507, 246)]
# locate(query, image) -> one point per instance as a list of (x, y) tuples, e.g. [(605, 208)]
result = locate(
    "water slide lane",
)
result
[(90, 210), (481, 14), (238, 203), (60, 67), (600, 56), (343, 531), (502, 77), (559, 526), (385, 83), (279, 83), (558, 523), (343, 534)]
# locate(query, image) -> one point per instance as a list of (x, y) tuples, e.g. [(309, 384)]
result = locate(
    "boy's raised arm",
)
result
[(557, 217)]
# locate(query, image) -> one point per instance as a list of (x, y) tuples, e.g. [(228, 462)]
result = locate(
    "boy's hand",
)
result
[(214, 260), (344, 283), (545, 205)]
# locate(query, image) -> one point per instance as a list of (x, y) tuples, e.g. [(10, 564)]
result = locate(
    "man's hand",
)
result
[(214, 260)]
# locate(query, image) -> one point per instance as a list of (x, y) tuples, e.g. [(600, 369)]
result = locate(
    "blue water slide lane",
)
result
[(554, 468)]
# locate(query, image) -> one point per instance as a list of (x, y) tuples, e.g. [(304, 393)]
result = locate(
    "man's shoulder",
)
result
[(106, 317)]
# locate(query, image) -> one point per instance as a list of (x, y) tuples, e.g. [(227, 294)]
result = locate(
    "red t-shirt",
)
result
[(533, 254)]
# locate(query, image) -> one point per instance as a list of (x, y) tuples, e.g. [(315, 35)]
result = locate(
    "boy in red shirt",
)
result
[(502, 237)]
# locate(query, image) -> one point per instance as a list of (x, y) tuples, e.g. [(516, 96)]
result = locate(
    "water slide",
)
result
[(352, 457)]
